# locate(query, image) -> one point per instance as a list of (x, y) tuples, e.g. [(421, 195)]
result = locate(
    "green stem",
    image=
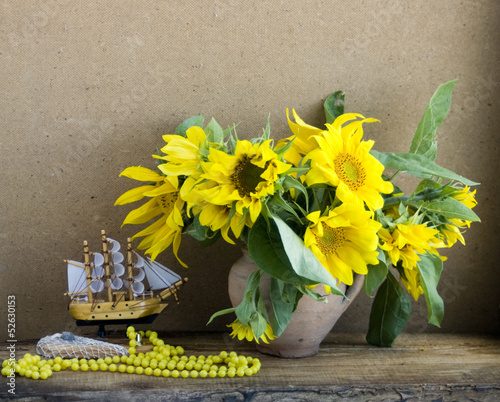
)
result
[(394, 176), (297, 170)]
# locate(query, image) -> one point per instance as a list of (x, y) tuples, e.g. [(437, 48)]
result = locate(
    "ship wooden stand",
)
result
[(103, 291)]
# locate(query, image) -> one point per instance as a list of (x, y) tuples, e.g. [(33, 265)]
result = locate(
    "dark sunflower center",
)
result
[(332, 239), (246, 177), (349, 170), (167, 201)]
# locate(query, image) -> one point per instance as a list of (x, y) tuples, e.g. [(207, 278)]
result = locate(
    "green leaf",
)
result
[(189, 122), (418, 166), (267, 131), (266, 250), (214, 132), (424, 140), (203, 234), (376, 274), (430, 267), (283, 150), (258, 324), (302, 260), (248, 306), (252, 311), (334, 106), (261, 306), (221, 312), (290, 182), (390, 312), (450, 208), (283, 299), (278, 202), (233, 139), (211, 239), (425, 185), (312, 294)]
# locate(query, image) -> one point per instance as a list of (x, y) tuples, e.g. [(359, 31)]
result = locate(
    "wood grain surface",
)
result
[(418, 367)]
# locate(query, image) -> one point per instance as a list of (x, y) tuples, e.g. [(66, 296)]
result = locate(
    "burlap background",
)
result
[(88, 88)]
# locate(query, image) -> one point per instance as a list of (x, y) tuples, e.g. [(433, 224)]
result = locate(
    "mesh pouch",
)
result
[(69, 346)]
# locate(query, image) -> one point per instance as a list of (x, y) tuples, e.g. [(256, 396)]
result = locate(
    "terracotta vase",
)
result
[(311, 321)]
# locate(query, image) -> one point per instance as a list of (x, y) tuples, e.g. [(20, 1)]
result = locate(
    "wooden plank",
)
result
[(420, 365)]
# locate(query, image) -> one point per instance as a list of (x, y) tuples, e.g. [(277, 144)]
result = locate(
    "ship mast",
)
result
[(129, 267), (106, 262), (87, 268)]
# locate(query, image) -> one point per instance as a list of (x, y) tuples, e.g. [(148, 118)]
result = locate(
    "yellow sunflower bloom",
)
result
[(411, 280), (183, 154), (304, 141), (243, 331), (218, 217), (344, 161), (344, 241), (158, 237), (244, 178), (404, 244), (452, 232), (164, 204), (418, 239), (466, 197)]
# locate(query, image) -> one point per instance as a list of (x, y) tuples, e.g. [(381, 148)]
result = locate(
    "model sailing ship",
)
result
[(103, 290)]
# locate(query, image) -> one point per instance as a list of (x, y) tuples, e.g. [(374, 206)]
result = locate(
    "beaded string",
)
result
[(164, 360)]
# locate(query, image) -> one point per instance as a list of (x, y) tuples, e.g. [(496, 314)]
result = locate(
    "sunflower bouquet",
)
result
[(319, 206)]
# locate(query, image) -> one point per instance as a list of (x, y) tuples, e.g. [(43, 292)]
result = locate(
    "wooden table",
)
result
[(419, 367)]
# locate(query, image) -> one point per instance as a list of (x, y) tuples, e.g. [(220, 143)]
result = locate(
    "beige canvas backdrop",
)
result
[(88, 88)]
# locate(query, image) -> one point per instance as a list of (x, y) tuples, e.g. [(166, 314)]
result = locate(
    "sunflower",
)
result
[(245, 179), (451, 232), (411, 280), (343, 241), (164, 204), (303, 139), (183, 154), (344, 161), (216, 217), (466, 197), (219, 217), (404, 244), (243, 331)]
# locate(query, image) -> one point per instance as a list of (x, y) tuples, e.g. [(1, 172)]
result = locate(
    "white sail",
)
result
[(138, 287), (147, 275), (118, 270), (77, 281), (116, 283), (140, 261), (98, 259), (115, 246), (117, 257), (98, 272), (159, 276), (140, 276), (136, 283), (96, 286)]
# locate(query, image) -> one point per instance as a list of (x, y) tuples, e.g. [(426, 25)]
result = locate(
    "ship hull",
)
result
[(125, 311), (143, 320)]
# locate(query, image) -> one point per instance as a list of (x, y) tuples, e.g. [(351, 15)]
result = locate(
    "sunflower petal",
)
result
[(143, 214), (142, 174), (133, 195), (165, 188)]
